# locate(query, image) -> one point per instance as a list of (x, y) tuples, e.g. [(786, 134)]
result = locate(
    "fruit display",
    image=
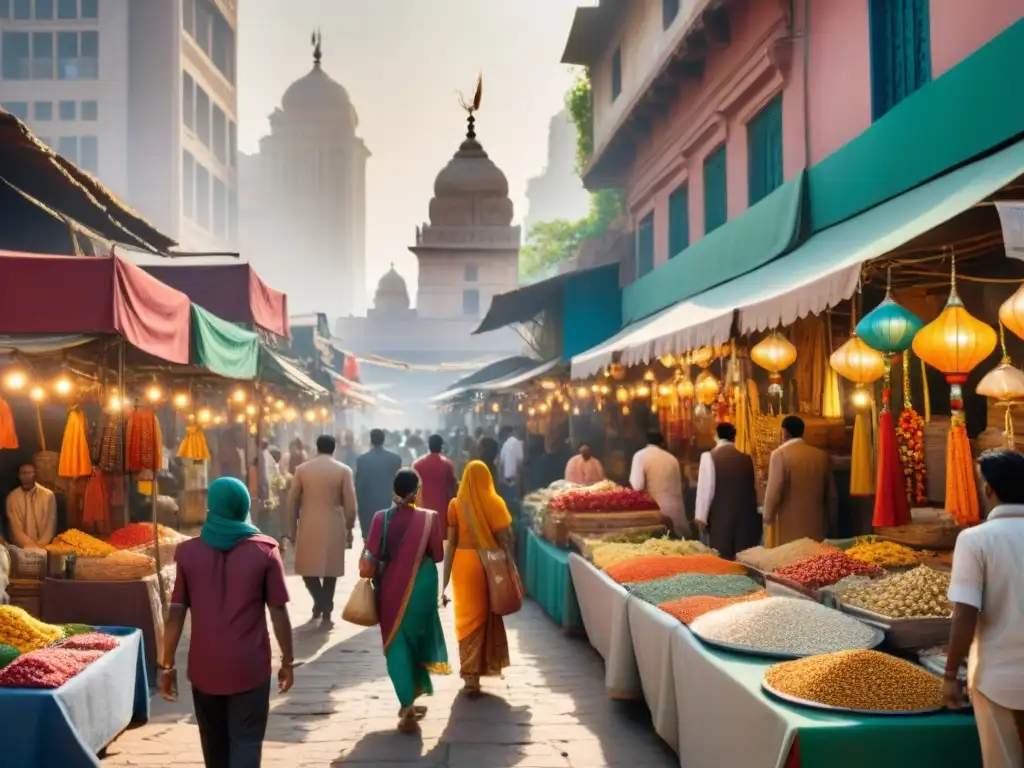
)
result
[(90, 641), (884, 554), (76, 542), (691, 585), (606, 554), (19, 630), (826, 568), (616, 499), (861, 680), (916, 594), (768, 560), (46, 668), (651, 567), (140, 534), (785, 625), (687, 609)]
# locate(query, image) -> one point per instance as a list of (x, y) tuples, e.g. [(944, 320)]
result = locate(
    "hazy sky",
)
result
[(403, 62)]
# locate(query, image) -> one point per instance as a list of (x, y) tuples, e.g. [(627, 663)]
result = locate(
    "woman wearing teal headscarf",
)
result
[(227, 516)]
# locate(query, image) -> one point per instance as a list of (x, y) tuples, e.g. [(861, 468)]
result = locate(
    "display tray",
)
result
[(749, 651), (937, 666), (903, 634), (792, 586), (808, 704)]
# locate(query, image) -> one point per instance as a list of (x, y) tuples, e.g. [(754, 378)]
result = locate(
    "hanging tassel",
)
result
[(927, 394), (862, 457), (961, 491)]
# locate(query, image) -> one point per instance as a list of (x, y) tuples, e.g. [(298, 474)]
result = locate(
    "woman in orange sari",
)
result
[(477, 518)]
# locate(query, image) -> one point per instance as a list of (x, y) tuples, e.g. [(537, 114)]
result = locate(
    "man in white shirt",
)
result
[(510, 460), (583, 468), (656, 471), (31, 511), (987, 592), (727, 496)]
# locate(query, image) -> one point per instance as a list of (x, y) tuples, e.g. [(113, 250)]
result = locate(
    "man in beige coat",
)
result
[(800, 500), (322, 506)]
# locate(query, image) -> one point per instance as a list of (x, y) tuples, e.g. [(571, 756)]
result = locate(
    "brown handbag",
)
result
[(504, 587)]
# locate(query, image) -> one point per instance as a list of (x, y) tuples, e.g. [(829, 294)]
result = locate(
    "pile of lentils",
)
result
[(769, 559), (786, 625), (916, 594), (826, 568), (661, 591), (864, 680)]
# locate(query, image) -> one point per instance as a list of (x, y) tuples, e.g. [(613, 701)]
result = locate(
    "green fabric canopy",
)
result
[(222, 347), (763, 233)]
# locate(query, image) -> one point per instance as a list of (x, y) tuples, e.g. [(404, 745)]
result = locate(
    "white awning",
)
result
[(819, 274)]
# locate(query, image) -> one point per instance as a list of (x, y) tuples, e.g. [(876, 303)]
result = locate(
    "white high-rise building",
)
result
[(142, 93)]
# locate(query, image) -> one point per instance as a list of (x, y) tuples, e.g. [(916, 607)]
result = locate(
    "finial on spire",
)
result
[(316, 40), (473, 106)]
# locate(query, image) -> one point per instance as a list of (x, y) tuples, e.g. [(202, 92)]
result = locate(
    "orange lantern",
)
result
[(1011, 313), (858, 362), (707, 388), (702, 357), (774, 353)]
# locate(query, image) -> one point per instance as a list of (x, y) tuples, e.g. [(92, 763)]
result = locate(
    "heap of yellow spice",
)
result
[(76, 542), (19, 630), (884, 554)]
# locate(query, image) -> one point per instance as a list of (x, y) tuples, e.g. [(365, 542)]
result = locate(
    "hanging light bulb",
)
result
[(15, 381), (203, 417), (582, 393), (685, 388), (519, 407), (775, 353), (664, 390), (250, 409), (114, 403), (180, 400), (649, 375), (544, 407), (495, 407), (154, 394), (532, 412), (38, 394), (279, 405), (861, 397), (310, 415), (239, 396), (668, 361), (625, 410), (291, 414), (575, 410), (622, 394), (63, 386), (702, 357), (324, 413), (643, 391)]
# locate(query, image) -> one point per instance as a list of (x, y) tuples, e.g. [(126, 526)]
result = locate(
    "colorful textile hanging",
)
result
[(96, 504), (194, 446), (910, 439), (862, 457), (75, 460), (109, 457), (809, 336), (8, 436), (144, 442)]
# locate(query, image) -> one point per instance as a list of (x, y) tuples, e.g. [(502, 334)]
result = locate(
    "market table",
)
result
[(549, 582), (652, 629), (715, 689), (69, 725), (604, 610), (108, 603)]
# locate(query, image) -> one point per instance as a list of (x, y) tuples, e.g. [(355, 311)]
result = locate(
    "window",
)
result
[(232, 215), (44, 9), (220, 208), (471, 303), (471, 273), (15, 53), (232, 143), (23, 9), (901, 55), (17, 108), (203, 23), (43, 110), (78, 55), (645, 245), (202, 196), (67, 147), (616, 73), (678, 221), (88, 154), (188, 101), (68, 110), (90, 9), (188, 186), (764, 151), (220, 134), (202, 115), (669, 11), (716, 200), (223, 47), (188, 16), (42, 56), (67, 9), (90, 110)]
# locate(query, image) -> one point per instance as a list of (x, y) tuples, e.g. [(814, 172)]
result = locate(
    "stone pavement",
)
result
[(549, 711)]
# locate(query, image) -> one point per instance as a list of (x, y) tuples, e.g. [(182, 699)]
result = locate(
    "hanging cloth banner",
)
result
[(1011, 216)]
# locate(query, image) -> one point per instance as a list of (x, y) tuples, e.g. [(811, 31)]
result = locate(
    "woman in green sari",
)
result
[(402, 551)]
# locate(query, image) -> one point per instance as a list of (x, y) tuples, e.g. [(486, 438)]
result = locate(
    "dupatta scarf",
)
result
[(402, 567)]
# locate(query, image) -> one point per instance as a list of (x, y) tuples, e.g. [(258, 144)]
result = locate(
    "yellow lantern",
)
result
[(1011, 313), (1005, 385), (702, 357), (649, 375), (622, 394), (643, 391), (774, 353), (664, 390), (706, 388), (858, 362), (685, 388), (668, 361)]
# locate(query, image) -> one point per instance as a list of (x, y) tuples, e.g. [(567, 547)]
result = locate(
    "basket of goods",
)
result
[(784, 628), (911, 607), (765, 560), (860, 681), (604, 554), (939, 535), (138, 538), (46, 668), (79, 544), (122, 565), (27, 563), (809, 575), (19, 630), (597, 510)]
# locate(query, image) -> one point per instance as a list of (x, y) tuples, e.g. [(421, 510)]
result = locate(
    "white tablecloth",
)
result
[(604, 610), (652, 630)]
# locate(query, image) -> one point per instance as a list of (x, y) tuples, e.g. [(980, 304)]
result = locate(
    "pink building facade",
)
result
[(701, 108)]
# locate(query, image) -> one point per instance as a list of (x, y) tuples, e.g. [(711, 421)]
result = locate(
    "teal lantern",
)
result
[(889, 328)]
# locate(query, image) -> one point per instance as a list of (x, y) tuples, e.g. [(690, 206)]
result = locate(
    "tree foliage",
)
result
[(551, 242)]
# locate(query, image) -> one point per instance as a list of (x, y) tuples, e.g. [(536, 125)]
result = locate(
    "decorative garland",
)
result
[(910, 439)]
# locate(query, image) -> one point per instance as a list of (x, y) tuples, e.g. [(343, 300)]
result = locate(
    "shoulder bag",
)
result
[(361, 608), (504, 587)]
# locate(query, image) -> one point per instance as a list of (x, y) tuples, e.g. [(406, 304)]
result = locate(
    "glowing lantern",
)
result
[(706, 388), (685, 388), (643, 391), (858, 362), (702, 357), (1005, 385), (889, 327), (668, 361), (622, 394), (774, 353), (1011, 313), (664, 390), (649, 375)]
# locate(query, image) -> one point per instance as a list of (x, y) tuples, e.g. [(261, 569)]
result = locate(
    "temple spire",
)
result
[(316, 40)]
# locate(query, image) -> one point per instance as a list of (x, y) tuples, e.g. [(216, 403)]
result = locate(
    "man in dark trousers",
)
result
[(375, 475), (727, 496)]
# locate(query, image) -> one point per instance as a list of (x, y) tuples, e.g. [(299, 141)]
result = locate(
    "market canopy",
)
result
[(494, 371), (233, 292), (222, 347), (67, 295), (819, 274), (279, 370)]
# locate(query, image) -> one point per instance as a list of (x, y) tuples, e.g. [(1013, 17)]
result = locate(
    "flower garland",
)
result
[(910, 439)]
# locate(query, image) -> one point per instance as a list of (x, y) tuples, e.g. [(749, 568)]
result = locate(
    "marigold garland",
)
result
[(910, 438)]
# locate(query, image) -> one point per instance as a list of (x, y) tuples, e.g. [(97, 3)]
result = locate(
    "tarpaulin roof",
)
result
[(280, 370), (223, 348), (231, 291), (61, 295), (30, 166)]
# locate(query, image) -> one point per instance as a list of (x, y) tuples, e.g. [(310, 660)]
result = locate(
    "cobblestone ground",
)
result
[(549, 711)]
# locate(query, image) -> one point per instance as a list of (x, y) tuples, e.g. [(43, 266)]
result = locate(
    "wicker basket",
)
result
[(27, 594), (937, 536), (95, 569), (558, 526), (167, 550)]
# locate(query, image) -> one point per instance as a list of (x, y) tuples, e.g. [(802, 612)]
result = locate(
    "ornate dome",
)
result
[(471, 176), (317, 94), (392, 294)]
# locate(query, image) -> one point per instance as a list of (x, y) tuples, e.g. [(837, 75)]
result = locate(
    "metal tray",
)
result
[(808, 704), (766, 654), (937, 666)]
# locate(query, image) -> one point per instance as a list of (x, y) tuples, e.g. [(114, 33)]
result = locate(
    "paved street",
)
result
[(550, 710)]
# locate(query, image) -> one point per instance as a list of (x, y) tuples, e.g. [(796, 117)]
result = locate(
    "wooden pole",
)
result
[(154, 488)]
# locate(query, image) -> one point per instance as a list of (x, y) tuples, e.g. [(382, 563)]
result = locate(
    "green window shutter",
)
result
[(678, 221), (716, 194), (645, 246), (764, 151), (901, 51)]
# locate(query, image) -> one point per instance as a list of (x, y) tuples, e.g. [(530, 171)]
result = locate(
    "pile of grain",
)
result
[(767, 560), (650, 567), (687, 609), (917, 594), (690, 585), (605, 554)]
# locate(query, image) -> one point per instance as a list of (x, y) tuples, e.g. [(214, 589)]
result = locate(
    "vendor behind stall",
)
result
[(31, 511)]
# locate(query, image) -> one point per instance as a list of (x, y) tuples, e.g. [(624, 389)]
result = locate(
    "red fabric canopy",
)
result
[(42, 294), (233, 292)]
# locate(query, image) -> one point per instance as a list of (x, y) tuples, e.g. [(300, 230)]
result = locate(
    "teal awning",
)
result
[(819, 274), (764, 232), (222, 347)]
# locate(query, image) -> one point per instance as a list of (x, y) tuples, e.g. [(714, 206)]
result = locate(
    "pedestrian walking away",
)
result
[(726, 507), (375, 472), (322, 514), (227, 578), (437, 477)]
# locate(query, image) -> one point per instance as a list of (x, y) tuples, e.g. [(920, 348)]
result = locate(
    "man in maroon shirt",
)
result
[(437, 476), (227, 578)]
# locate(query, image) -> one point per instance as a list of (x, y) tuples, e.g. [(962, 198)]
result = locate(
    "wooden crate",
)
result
[(27, 594)]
